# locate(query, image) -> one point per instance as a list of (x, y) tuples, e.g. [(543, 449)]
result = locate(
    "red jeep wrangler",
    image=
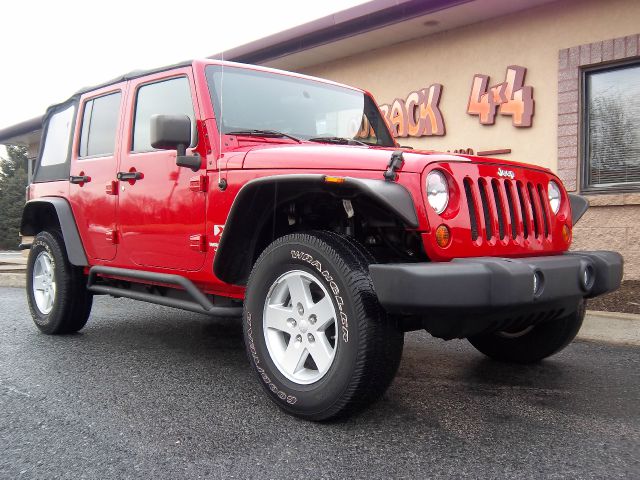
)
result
[(231, 190)]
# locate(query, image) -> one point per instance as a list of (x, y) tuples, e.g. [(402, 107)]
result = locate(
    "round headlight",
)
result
[(554, 196), (437, 191)]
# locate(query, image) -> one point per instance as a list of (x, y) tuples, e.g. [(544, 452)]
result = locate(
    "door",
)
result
[(161, 219), (93, 190)]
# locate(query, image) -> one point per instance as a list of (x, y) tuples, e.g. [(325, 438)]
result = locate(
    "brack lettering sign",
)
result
[(418, 115)]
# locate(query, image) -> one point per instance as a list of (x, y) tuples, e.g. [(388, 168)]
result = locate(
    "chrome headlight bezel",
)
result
[(554, 194), (437, 188)]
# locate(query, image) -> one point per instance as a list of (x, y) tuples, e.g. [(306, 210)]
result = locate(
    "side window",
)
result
[(99, 125), (169, 97), (56, 142)]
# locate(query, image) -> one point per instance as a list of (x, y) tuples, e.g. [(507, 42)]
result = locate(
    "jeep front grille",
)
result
[(505, 207)]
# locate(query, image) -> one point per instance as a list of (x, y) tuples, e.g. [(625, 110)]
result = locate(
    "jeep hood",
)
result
[(324, 156)]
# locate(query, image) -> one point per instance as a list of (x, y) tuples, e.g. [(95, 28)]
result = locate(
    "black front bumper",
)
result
[(495, 288)]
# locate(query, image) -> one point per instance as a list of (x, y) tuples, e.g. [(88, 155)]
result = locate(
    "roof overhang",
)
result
[(366, 27), (24, 133)]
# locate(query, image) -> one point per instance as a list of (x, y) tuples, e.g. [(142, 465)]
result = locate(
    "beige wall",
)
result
[(531, 38)]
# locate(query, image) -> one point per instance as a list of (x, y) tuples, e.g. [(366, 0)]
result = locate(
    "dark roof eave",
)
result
[(348, 23), (21, 129)]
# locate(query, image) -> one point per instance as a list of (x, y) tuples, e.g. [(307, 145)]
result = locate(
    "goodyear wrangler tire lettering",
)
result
[(290, 399), (336, 309), (344, 319)]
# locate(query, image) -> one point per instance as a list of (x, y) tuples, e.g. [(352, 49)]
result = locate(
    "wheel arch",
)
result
[(51, 212), (256, 203)]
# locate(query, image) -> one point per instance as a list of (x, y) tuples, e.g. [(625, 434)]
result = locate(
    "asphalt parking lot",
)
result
[(151, 392)]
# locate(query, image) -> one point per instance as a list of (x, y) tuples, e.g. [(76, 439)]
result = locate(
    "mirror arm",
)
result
[(190, 161)]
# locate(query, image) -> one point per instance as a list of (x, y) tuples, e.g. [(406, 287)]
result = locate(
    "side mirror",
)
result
[(169, 132)]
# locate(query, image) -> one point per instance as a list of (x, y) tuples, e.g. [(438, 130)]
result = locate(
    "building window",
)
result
[(611, 148), (169, 97), (99, 125)]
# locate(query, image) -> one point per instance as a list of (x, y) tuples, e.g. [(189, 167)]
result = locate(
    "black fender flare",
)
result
[(579, 205), (34, 220), (234, 257)]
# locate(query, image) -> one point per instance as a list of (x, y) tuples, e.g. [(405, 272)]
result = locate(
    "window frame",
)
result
[(585, 186), (83, 107), (58, 171), (134, 112), (214, 97)]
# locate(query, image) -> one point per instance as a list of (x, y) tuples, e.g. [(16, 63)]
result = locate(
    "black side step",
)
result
[(200, 303)]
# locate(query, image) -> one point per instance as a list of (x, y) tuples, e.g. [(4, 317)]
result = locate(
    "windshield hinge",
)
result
[(395, 163)]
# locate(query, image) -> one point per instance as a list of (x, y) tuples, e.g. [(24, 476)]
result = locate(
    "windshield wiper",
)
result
[(338, 140), (263, 133)]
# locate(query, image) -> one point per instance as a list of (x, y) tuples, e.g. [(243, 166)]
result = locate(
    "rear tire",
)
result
[(532, 344), (361, 348), (56, 290)]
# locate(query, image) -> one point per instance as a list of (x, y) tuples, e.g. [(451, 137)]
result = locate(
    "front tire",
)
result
[(56, 290), (315, 334), (533, 343)]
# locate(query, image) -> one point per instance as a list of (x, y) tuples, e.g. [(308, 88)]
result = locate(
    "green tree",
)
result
[(13, 180)]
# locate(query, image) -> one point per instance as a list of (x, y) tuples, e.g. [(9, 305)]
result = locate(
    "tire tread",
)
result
[(380, 343), (74, 301)]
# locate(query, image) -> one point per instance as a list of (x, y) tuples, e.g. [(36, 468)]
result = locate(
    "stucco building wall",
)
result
[(541, 40)]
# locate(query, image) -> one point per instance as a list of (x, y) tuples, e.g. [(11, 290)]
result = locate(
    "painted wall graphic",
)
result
[(418, 115), (510, 97)]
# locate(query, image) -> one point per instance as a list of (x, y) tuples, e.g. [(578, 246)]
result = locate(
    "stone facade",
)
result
[(612, 223), (613, 220), (570, 62)]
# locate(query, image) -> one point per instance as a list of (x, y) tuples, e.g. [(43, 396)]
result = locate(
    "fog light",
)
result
[(566, 234), (587, 277), (443, 237), (537, 283)]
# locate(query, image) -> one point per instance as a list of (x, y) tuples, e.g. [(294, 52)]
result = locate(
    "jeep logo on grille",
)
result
[(506, 173)]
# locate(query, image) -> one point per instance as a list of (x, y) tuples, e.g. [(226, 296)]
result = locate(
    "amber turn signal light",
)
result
[(329, 179), (443, 236), (566, 233)]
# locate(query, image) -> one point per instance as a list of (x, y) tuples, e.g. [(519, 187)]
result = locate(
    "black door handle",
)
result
[(79, 179), (129, 176)]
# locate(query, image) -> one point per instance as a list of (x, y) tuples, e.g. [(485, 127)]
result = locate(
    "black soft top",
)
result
[(130, 76), (60, 171)]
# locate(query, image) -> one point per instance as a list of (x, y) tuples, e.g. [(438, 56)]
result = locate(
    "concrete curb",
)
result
[(607, 327), (13, 280), (611, 327), (625, 316)]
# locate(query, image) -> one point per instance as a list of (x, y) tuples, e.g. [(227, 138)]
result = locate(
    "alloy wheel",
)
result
[(300, 325)]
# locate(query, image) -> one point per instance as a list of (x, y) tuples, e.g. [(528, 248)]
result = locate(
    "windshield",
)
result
[(305, 109)]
